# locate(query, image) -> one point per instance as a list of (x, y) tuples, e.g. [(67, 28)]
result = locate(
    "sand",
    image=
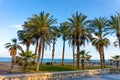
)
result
[(5, 68)]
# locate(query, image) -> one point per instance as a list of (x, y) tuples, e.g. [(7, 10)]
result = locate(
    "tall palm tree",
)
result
[(34, 30), (36, 48), (72, 42), (38, 27), (55, 32), (78, 22), (73, 47), (100, 26), (46, 42), (84, 57), (42, 52), (43, 22), (116, 59), (115, 25), (65, 31), (25, 38), (13, 46)]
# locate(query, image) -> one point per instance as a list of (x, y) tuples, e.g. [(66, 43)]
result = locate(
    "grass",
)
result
[(56, 68), (49, 68), (53, 68)]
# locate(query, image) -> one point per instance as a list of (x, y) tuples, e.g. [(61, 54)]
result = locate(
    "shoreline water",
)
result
[(8, 59)]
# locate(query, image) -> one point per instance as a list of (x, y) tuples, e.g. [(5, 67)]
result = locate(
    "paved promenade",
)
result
[(101, 77)]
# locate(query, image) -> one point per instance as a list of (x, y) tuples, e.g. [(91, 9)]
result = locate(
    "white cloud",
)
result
[(94, 36), (19, 27), (112, 39)]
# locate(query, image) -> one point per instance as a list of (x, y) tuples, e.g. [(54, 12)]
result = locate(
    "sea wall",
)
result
[(54, 75)]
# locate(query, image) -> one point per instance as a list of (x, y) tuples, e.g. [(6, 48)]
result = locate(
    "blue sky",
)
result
[(13, 13)]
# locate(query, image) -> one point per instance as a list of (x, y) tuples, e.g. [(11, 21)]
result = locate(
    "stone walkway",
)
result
[(101, 77), (5, 68)]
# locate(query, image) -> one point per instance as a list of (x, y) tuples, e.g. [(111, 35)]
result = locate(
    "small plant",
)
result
[(26, 59), (84, 56), (116, 59), (111, 60)]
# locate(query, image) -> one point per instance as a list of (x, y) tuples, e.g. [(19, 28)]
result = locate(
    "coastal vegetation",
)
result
[(116, 59), (58, 67), (41, 31), (84, 57), (26, 58), (13, 46), (100, 26)]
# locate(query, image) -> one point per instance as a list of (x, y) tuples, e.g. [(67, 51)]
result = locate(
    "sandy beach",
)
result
[(5, 68)]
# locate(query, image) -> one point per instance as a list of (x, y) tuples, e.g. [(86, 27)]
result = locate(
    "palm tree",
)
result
[(116, 59), (72, 41), (78, 22), (110, 61), (25, 57), (84, 56), (114, 22), (65, 31), (13, 46), (43, 22), (55, 34), (73, 44), (34, 30), (25, 38), (42, 52), (46, 42), (99, 26), (36, 48), (38, 28)]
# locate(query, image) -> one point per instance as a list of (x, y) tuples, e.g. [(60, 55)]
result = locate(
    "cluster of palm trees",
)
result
[(40, 30)]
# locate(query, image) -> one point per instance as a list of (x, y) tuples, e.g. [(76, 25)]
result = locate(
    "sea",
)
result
[(8, 59)]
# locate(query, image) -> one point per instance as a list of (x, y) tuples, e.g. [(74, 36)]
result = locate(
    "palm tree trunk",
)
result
[(39, 54), (12, 64), (118, 36), (82, 63), (25, 65), (73, 55), (101, 61), (78, 57), (104, 61), (53, 51), (119, 42), (36, 50), (103, 57), (42, 53), (63, 52), (27, 47), (78, 48), (117, 64)]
